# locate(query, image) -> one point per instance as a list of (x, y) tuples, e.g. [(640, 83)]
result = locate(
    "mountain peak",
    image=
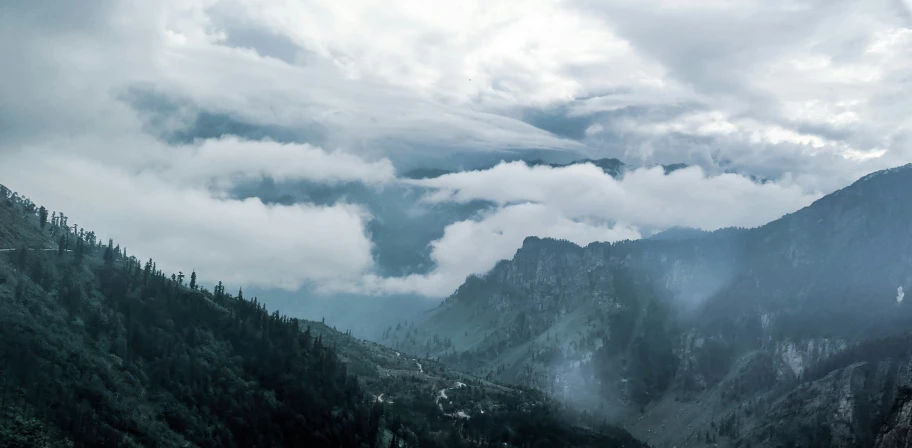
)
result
[(534, 243), (902, 169)]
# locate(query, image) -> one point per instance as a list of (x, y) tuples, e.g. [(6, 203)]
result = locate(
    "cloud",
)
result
[(809, 95), (69, 142), (474, 246), (238, 241), (809, 90), (644, 197), (228, 160), (579, 203), (183, 50), (72, 139), (487, 53)]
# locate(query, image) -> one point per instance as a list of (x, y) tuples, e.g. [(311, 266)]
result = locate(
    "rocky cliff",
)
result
[(700, 339)]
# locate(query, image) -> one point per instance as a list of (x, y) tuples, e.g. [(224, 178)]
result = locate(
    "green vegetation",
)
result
[(113, 352), (100, 349)]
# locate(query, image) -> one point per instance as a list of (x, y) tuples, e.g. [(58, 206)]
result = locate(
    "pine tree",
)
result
[(147, 271), (193, 279), (80, 249), (42, 216), (109, 254)]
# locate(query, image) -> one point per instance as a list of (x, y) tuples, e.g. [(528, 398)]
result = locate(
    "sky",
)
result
[(264, 142)]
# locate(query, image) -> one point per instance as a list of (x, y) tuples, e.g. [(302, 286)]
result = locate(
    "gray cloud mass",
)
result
[(264, 143)]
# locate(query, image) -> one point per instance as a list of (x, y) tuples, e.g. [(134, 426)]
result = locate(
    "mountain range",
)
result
[(612, 167), (98, 348), (794, 333), (788, 334)]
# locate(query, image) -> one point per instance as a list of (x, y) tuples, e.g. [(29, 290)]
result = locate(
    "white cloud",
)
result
[(227, 160), (711, 124), (644, 197), (579, 203), (475, 246), (237, 241), (780, 88), (70, 142), (499, 53), (63, 76)]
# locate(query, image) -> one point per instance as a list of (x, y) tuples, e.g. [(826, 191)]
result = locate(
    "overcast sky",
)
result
[(141, 119)]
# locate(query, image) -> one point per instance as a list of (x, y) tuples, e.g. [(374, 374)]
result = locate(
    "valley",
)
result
[(455, 224), (100, 349), (712, 338), (790, 334)]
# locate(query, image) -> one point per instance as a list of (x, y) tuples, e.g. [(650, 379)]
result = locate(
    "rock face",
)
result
[(866, 401), (897, 432), (725, 327)]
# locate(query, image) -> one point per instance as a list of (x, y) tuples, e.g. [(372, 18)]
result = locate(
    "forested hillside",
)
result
[(101, 349), (98, 348)]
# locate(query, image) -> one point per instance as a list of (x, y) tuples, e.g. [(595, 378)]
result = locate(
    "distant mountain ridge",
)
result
[(703, 328), (612, 167)]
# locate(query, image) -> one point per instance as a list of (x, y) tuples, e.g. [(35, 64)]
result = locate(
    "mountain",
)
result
[(679, 233), (612, 167), (101, 349), (425, 173), (710, 339)]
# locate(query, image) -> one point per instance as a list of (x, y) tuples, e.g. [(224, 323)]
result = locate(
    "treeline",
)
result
[(98, 348), (114, 352)]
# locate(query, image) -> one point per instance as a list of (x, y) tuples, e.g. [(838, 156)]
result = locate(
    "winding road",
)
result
[(442, 395)]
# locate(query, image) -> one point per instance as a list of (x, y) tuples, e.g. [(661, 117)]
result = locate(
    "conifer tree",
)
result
[(109, 254), (61, 244), (80, 249), (42, 217)]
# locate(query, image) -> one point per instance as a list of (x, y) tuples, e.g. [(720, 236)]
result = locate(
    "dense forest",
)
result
[(98, 348)]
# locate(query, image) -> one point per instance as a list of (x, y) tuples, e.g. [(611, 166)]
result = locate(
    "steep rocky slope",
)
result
[(699, 339)]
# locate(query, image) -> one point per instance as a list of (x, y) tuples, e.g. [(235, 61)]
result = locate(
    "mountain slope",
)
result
[(670, 334), (105, 352), (99, 349)]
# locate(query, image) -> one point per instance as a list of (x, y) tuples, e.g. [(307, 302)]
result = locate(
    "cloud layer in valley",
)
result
[(582, 204)]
